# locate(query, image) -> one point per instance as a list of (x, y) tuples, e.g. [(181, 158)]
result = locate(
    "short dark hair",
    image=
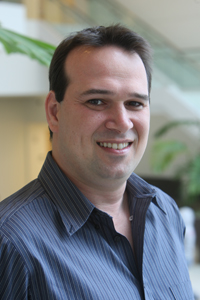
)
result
[(100, 36)]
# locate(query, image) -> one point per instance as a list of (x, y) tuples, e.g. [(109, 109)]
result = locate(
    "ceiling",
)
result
[(177, 20)]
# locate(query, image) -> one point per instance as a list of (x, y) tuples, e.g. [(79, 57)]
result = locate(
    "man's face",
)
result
[(103, 120)]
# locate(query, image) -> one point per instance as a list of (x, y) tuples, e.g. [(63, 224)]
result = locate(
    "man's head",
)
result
[(97, 37), (100, 124)]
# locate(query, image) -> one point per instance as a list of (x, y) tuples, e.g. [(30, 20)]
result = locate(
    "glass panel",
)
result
[(182, 68)]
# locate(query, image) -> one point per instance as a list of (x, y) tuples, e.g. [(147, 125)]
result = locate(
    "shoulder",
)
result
[(25, 217), (172, 213), (19, 200), (15, 227)]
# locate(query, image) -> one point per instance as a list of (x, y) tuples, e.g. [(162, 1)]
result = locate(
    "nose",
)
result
[(119, 120)]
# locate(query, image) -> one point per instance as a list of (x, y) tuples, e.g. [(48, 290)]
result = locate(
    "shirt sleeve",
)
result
[(13, 273)]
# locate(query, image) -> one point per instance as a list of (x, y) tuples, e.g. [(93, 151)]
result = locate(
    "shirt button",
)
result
[(131, 218), (117, 238)]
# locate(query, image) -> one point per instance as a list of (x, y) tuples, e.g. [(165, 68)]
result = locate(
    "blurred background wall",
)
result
[(171, 27)]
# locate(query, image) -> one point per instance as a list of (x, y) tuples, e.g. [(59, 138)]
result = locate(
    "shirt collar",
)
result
[(139, 188), (73, 206)]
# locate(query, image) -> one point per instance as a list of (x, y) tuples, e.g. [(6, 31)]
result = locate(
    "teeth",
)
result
[(114, 145)]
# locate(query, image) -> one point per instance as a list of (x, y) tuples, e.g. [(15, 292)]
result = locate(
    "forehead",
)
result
[(96, 61)]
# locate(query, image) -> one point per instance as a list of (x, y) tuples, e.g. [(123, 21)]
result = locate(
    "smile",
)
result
[(114, 145)]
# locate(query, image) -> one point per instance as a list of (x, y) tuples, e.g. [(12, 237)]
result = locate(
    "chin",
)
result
[(117, 173)]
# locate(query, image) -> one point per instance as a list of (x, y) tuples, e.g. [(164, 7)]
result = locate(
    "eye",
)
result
[(134, 104), (95, 102)]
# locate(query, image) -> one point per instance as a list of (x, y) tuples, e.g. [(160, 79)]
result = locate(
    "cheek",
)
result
[(91, 122), (77, 131), (142, 125)]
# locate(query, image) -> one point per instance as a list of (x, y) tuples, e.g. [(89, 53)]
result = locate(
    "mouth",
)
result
[(115, 146)]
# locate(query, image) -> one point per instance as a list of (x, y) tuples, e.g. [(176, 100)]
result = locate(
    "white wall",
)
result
[(23, 86), (12, 174), (24, 142), (20, 75)]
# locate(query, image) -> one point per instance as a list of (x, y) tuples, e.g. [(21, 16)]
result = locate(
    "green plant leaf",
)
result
[(194, 177), (169, 126), (164, 153), (35, 49)]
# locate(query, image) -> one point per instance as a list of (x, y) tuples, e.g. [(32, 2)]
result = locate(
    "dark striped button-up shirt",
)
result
[(56, 245)]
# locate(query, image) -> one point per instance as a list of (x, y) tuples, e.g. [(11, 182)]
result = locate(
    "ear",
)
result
[(52, 107)]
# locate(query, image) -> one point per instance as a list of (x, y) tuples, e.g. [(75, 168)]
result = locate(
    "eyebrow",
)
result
[(107, 92), (140, 96), (97, 91)]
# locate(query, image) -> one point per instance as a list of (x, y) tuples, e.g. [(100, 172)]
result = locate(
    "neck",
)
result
[(109, 202), (110, 199)]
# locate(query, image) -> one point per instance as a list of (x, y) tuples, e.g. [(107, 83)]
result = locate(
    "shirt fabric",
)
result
[(56, 245)]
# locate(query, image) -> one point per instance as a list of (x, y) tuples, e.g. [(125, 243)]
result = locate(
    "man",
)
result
[(87, 228)]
